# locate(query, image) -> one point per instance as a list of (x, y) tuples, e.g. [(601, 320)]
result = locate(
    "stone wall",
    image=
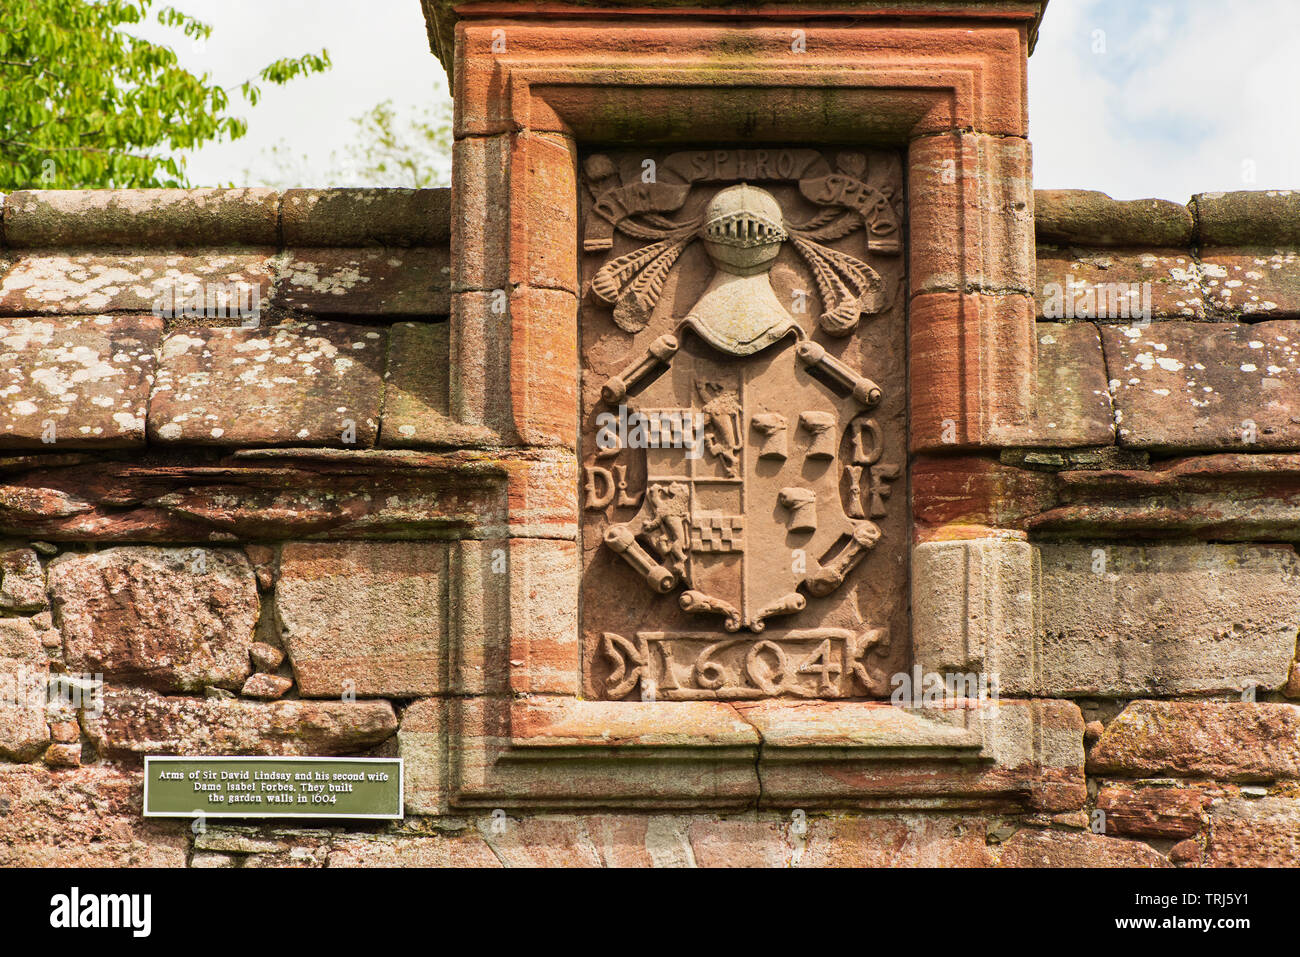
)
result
[(258, 529)]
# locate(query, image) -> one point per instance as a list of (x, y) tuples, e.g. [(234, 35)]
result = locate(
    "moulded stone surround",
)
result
[(978, 610), (533, 89)]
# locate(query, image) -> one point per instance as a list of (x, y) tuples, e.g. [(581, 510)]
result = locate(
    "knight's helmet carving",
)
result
[(743, 231)]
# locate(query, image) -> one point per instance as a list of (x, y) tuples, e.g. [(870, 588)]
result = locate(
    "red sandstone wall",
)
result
[(250, 533)]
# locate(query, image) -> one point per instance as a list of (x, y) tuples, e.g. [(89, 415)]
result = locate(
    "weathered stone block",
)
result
[(20, 640), (542, 251), (635, 840), (367, 617), (365, 281), (265, 657), (439, 850), (1043, 741), (975, 609), (1072, 405), (1187, 386), (303, 851), (479, 347), (543, 652), (135, 723), (1252, 281), (1086, 217), (314, 383), (542, 497), (1167, 619), (969, 178), (361, 217), (89, 817), (158, 218), (968, 496), (63, 755), (174, 618), (422, 744), (266, 687), (543, 378), (22, 581), (65, 732), (417, 381), (227, 846), (971, 370), (540, 841), (1254, 832), (1119, 285), (1164, 812), (205, 860), (1248, 216), (1201, 739), (74, 282), (24, 678), (480, 243), (893, 841), (76, 383), (708, 841), (229, 840), (1030, 848)]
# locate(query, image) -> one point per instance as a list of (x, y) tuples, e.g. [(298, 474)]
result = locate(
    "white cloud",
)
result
[(1183, 96), (379, 49), (1185, 93)]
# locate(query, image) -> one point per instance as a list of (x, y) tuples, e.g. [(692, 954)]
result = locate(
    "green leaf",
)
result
[(84, 103)]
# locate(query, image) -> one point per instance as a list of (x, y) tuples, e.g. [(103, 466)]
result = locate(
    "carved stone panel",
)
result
[(744, 415)]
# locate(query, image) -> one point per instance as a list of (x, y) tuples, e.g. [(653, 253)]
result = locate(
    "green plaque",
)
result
[(273, 787)]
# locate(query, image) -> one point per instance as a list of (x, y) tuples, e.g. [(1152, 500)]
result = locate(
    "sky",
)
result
[(1166, 98), (1137, 98), (379, 50)]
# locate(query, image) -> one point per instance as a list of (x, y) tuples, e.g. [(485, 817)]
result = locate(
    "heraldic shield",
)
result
[(756, 444), (754, 463)]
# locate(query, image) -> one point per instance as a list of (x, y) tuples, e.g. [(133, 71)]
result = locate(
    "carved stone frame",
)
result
[(949, 92)]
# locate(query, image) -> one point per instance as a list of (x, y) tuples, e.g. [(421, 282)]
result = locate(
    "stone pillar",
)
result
[(744, 262)]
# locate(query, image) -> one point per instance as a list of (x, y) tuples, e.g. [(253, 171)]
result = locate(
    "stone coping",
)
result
[(349, 217), (166, 218), (1083, 217)]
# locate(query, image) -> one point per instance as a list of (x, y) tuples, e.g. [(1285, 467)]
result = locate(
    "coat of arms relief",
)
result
[(744, 424)]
